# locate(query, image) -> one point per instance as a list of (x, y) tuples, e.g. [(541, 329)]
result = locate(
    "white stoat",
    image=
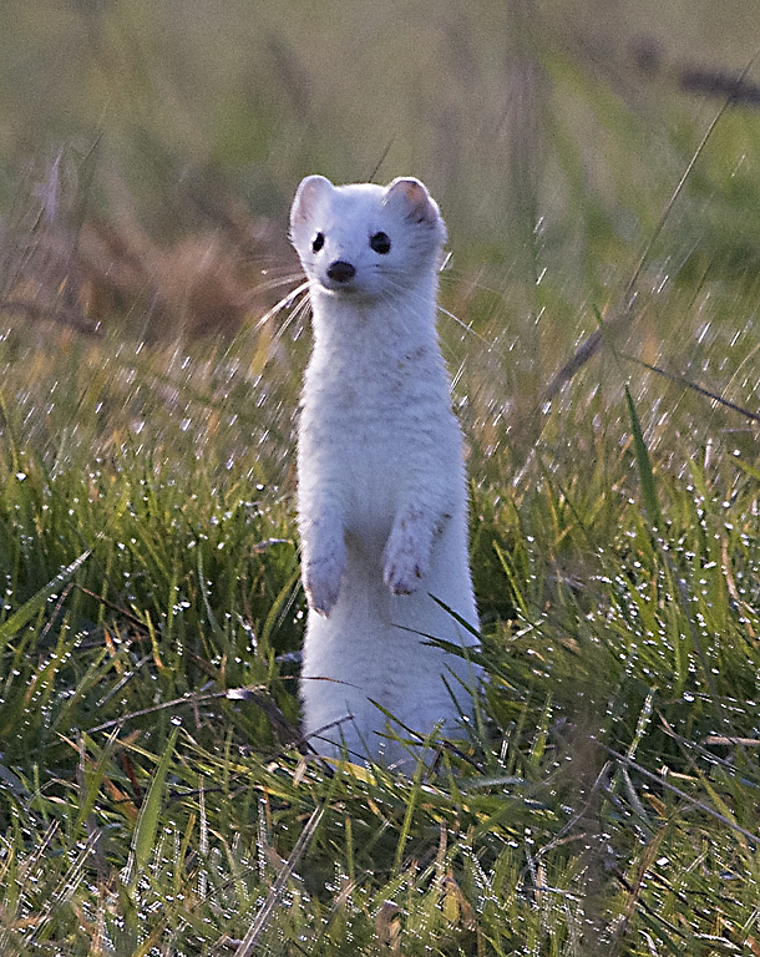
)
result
[(382, 500)]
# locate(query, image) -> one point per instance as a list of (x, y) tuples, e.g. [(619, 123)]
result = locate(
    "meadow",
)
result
[(598, 166)]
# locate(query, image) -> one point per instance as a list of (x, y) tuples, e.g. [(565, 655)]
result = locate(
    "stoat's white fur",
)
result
[(381, 484)]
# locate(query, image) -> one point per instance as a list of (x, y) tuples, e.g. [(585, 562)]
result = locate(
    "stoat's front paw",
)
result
[(322, 576), (404, 561)]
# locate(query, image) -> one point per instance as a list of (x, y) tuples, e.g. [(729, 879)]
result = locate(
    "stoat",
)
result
[(382, 494)]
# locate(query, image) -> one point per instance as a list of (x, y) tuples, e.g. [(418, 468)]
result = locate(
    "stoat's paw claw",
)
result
[(322, 579), (403, 566)]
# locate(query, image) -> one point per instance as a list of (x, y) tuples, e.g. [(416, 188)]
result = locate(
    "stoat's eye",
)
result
[(381, 243), (318, 242)]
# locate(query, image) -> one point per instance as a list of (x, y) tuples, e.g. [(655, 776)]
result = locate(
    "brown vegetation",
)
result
[(207, 283)]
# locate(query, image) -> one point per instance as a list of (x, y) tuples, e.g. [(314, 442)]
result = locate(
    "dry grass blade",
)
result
[(261, 920), (590, 346), (753, 838)]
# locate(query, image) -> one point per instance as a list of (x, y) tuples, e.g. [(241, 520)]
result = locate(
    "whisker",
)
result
[(276, 282), (457, 376), (287, 302), (464, 325), (297, 313)]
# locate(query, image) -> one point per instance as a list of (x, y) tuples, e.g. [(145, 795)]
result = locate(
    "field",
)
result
[(598, 166)]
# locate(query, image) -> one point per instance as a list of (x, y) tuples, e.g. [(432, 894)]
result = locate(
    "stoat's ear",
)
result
[(412, 196), (307, 194)]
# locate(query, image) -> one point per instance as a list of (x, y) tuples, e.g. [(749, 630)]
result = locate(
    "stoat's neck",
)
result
[(389, 325)]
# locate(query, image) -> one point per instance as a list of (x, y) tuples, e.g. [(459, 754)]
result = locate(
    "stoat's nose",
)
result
[(341, 271)]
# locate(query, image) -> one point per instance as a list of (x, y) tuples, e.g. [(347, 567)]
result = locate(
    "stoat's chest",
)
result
[(386, 410), (377, 429)]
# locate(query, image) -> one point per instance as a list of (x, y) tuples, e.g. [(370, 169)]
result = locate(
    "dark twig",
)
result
[(682, 380), (60, 314)]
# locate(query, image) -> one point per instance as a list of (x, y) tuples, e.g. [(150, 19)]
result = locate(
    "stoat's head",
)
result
[(365, 240)]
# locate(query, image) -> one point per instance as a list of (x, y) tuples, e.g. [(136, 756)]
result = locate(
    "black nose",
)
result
[(341, 271)]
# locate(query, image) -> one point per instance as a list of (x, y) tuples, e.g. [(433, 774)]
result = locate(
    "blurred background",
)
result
[(149, 153)]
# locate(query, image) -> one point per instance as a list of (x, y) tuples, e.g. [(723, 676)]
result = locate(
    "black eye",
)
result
[(318, 242), (381, 243)]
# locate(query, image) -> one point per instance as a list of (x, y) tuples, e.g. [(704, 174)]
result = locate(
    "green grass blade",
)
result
[(643, 464), (144, 838), (15, 622)]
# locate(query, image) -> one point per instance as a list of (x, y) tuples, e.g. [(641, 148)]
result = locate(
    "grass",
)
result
[(152, 801), (611, 796)]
